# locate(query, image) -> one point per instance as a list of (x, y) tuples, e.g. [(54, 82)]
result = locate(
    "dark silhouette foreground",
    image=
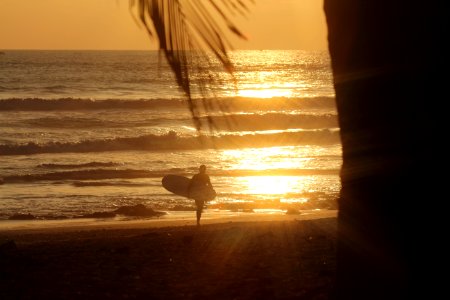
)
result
[(246, 261), (387, 59)]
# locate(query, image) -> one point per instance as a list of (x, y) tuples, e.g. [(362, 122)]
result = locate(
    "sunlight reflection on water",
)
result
[(264, 93), (265, 158), (273, 160)]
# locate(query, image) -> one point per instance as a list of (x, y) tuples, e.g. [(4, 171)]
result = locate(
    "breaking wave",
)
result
[(227, 104), (173, 141)]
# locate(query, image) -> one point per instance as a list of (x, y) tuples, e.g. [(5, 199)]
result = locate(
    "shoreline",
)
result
[(172, 219)]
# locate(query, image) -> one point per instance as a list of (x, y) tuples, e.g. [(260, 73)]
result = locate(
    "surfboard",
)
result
[(178, 185)]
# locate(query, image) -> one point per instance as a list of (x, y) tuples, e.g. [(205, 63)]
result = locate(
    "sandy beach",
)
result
[(245, 256)]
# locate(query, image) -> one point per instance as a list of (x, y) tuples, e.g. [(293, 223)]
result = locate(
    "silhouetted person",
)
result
[(198, 188)]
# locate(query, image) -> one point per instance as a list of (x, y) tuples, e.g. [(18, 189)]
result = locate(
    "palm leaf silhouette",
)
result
[(190, 36)]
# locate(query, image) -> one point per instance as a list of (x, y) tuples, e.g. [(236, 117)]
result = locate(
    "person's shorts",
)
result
[(199, 203)]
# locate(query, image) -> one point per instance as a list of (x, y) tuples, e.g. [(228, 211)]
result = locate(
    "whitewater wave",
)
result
[(227, 104), (92, 164), (228, 122), (172, 141)]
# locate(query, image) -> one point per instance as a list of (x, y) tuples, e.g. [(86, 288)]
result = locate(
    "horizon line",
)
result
[(66, 49)]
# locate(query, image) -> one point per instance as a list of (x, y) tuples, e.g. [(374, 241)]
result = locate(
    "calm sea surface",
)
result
[(91, 131)]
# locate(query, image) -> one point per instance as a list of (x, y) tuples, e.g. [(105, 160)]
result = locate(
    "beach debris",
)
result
[(138, 210)]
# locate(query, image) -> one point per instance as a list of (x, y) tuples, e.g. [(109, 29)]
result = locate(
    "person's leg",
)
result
[(199, 204), (199, 215)]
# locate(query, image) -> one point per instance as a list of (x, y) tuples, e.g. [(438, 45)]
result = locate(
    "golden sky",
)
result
[(107, 24)]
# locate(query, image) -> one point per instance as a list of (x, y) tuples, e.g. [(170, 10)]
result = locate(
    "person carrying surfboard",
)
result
[(198, 186)]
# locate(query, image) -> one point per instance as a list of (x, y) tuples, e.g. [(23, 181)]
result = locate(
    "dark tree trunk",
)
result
[(387, 59)]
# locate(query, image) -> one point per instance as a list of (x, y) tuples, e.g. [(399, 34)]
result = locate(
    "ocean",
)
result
[(93, 131)]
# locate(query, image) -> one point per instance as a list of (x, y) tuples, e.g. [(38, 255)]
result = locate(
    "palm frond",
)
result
[(188, 31)]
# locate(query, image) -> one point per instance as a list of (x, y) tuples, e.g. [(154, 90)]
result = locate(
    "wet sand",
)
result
[(246, 256)]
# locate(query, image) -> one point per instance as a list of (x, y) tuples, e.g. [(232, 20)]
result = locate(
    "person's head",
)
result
[(202, 169)]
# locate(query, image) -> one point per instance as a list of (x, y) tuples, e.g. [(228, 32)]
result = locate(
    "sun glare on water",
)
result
[(268, 165), (271, 185), (264, 93)]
